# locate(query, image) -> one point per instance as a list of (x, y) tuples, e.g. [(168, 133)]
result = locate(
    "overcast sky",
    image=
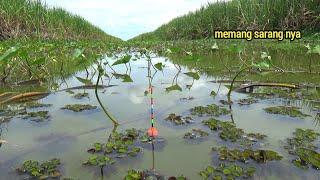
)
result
[(128, 18)]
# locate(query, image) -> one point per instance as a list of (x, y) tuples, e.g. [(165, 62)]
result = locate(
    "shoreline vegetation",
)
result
[(34, 19), (243, 15)]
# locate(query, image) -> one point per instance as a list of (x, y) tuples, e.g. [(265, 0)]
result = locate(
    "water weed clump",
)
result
[(259, 156), (196, 134), (302, 145), (227, 130), (286, 110), (227, 171), (178, 119), (209, 110), (79, 107), (45, 170)]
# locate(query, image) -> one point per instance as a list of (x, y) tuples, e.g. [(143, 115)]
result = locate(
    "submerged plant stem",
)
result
[(114, 121)]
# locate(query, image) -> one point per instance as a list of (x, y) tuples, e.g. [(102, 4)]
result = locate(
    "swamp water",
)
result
[(68, 135)]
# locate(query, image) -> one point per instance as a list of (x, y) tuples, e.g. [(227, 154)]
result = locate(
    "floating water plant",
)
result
[(227, 130), (119, 145), (227, 171), (303, 147), (45, 170), (210, 110), (38, 116), (286, 110), (149, 174), (247, 101), (260, 156), (81, 95), (179, 120), (195, 134), (36, 105), (79, 107)]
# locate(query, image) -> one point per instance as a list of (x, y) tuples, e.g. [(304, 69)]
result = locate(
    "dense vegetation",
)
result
[(241, 15), (26, 18)]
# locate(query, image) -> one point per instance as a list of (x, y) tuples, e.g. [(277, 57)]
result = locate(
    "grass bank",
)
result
[(33, 19), (241, 15)]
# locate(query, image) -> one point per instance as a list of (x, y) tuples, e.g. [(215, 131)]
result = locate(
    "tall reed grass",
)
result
[(32, 18), (241, 15)]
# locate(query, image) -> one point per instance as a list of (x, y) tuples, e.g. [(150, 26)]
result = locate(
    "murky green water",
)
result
[(68, 135)]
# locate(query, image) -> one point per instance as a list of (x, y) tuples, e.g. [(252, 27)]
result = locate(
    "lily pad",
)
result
[(79, 107)]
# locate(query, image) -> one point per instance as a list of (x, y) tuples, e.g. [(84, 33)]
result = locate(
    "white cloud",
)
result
[(128, 18)]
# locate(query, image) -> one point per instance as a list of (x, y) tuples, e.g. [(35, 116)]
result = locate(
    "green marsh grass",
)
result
[(26, 18), (241, 15)]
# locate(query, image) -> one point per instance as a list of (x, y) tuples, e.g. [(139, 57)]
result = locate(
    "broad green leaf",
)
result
[(123, 60), (174, 88), (213, 93), (126, 78), (194, 75), (159, 66), (236, 48), (9, 54), (84, 81)]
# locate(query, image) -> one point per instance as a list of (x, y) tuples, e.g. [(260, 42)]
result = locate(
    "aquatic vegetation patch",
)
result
[(195, 134), (227, 171), (247, 101), (303, 147), (210, 110), (45, 170), (259, 156), (149, 174), (179, 120), (227, 130), (286, 110), (99, 160), (81, 95), (79, 107), (38, 116), (33, 104), (119, 145)]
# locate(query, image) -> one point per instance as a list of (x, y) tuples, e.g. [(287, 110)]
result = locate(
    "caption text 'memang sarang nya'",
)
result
[(250, 35)]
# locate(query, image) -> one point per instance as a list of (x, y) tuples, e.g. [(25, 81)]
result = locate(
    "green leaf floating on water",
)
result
[(159, 66), (123, 60), (174, 88), (9, 54), (194, 75), (84, 81)]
